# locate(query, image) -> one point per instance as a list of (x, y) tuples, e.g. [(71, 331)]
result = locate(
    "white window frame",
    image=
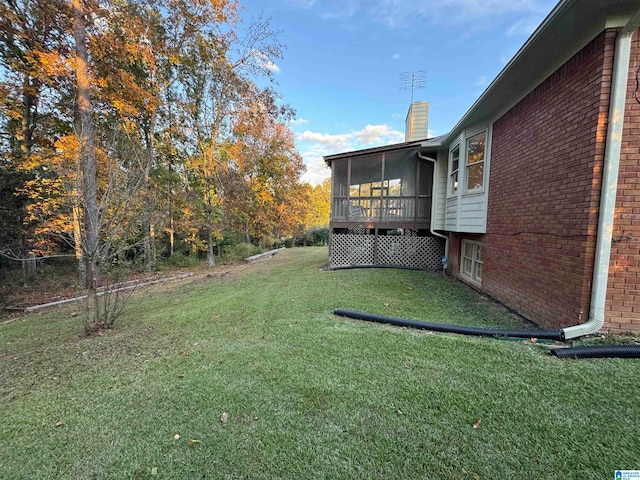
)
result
[(471, 261), (453, 186), (468, 165)]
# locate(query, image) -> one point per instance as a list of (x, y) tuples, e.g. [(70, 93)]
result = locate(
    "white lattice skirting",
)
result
[(403, 251)]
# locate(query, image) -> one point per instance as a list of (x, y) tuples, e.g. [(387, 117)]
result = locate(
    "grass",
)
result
[(308, 395)]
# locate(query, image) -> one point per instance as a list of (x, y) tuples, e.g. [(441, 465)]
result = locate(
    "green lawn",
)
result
[(308, 395)]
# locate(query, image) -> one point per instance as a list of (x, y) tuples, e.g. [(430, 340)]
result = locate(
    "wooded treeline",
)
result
[(134, 128)]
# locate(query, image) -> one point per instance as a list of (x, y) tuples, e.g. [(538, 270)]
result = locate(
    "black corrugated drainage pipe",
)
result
[(609, 351), (441, 327)]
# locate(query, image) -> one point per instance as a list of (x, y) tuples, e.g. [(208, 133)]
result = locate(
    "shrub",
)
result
[(313, 237), (181, 259), (238, 252)]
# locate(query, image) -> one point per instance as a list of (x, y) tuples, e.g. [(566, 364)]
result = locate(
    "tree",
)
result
[(129, 117), (320, 204), (217, 88), (87, 178), (266, 160), (31, 33)]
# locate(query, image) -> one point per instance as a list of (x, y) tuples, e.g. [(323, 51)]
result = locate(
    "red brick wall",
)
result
[(546, 163), (622, 310)]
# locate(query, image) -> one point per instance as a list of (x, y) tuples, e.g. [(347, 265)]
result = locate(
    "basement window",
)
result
[(471, 261)]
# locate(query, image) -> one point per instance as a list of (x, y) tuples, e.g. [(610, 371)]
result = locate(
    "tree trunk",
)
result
[(27, 102), (87, 161), (149, 235), (211, 260), (77, 243), (170, 199)]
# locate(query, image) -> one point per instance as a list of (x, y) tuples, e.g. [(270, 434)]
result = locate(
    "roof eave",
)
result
[(563, 33), (369, 151)]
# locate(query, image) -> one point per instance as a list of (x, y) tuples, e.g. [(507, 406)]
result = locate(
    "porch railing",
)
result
[(387, 209)]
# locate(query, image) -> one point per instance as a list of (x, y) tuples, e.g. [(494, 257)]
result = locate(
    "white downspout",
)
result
[(609, 182), (433, 205)]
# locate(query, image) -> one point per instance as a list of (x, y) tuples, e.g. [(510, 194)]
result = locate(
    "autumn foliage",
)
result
[(132, 129)]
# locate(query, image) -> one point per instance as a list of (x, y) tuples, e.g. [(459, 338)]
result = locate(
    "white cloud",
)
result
[(347, 10), (333, 143), (313, 145), (264, 61), (317, 170), (369, 136), (378, 134), (302, 3), (523, 27), (398, 13), (271, 66), (299, 121), (476, 14), (482, 81), (396, 56)]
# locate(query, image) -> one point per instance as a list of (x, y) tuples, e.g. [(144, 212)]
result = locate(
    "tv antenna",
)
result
[(412, 80)]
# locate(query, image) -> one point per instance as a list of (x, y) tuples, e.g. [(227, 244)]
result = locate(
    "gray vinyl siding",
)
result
[(472, 215), (440, 194), (451, 221)]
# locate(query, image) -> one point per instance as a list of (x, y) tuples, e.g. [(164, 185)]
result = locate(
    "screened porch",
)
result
[(381, 209), (389, 187)]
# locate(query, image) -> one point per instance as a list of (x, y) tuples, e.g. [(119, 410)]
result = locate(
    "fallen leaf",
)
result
[(154, 471), (399, 412), (224, 417), (476, 476), (176, 437), (181, 375), (533, 340), (386, 304), (59, 423), (191, 441), (477, 424)]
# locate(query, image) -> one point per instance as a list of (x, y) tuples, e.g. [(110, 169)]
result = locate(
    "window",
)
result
[(471, 261), (475, 162), (454, 161)]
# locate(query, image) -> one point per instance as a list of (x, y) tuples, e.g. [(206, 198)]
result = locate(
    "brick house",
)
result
[(537, 188)]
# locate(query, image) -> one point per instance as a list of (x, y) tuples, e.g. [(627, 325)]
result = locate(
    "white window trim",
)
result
[(476, 260), (450, 191), (485, 161)]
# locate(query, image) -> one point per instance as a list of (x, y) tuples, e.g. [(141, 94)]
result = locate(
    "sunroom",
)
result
[(381, 203)]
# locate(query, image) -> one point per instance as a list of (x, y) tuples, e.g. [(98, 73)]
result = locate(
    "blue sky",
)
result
[(344, 59)]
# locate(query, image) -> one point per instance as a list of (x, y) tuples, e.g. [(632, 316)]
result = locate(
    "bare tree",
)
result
[(87, 177)]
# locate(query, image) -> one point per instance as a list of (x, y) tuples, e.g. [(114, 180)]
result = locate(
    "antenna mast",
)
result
[(412, 80)]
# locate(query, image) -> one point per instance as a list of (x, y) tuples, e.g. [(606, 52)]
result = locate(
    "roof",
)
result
[(368, 151), (417, 144)]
